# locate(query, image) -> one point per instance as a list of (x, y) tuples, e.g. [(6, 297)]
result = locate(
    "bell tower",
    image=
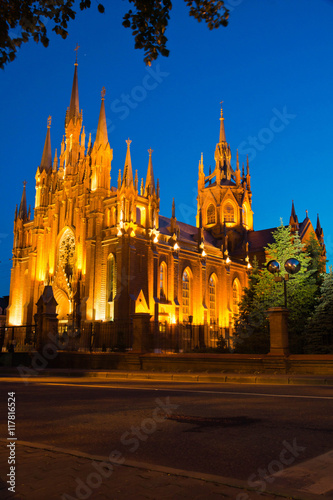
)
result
[(224, 196)]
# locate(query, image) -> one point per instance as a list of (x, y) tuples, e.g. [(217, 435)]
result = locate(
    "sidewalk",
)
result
[(49, 473), (219, 378)]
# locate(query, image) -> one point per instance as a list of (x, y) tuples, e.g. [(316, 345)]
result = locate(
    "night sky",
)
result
[(272, 67)]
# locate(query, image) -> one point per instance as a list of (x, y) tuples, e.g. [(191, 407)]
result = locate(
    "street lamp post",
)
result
[(278, 326)]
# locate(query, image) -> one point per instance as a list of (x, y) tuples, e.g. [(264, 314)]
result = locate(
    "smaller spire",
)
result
[(83, 138), (119, 179), (136, 180), (293, 212), (102, 131), (237, 173), (173, 208), (55, 160), (150, 182), (293, 221), (222, 131), (248, 177), (46, 162), (319, 230), (23, 213), (128, 173)]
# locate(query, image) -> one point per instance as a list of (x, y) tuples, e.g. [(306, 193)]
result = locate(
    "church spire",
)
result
[(46, 162), (222, 131), (23, 213), (74, 109), (150, 182), (102, 132), (293, 221), (319, 230), (128, 172)]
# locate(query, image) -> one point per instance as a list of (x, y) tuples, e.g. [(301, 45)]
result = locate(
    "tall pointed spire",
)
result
[(46, 162), (150, 182), (74, 108), (222, 131), (102, 131), (128, 172), (23, 213)]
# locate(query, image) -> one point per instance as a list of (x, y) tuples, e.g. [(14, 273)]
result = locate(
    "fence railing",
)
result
[(184, 337), (117, 336)]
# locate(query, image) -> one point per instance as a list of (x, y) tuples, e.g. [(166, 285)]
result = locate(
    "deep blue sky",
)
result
[(275, 57)]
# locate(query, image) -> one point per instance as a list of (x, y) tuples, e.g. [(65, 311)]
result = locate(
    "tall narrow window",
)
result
[(186, 294), (211, 214), (138, 216), (111, 286), (244, 212), (235, 296), (163, 281), (212, 298), (229, 213)]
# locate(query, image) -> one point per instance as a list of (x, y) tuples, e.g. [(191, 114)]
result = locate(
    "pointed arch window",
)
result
[(186, 294), (211, 219), (67, 252), (163, 281), (111, 286), (229, 213), (212, 298), (236, 296)]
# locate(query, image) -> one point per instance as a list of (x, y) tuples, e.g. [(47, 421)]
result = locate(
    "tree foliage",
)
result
[(319, 332), (252, 332), (22, 20)]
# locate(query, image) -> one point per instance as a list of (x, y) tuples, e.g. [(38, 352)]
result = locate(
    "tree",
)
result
[(264, 292), (319, 332), (148, 21), (251, 325)]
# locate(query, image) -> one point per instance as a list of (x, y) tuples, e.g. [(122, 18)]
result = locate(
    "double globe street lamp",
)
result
[(278, 316), (292, 266)]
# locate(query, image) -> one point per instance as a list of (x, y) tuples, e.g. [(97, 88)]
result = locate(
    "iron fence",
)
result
[(118, 336)]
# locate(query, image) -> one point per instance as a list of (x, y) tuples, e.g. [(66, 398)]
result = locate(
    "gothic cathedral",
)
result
[(108, 252)]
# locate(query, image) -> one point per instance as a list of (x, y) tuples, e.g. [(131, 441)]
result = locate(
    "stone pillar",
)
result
[(46, 317), (143, 340), (278, 326)]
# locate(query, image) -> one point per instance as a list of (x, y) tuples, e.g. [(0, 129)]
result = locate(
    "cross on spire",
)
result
[(75, 50), (103, 92)]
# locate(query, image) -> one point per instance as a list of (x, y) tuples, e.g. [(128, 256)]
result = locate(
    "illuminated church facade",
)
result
[(108, 252)]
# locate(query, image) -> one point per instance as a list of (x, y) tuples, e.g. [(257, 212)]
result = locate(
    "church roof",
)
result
[(188, 233)]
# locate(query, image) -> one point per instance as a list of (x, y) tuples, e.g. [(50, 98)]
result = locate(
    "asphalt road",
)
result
[(232, 430)]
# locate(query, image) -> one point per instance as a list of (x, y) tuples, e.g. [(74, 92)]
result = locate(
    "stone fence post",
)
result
[(278, 328)]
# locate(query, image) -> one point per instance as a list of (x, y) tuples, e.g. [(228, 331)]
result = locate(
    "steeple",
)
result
[(293, 221), (222, 131), (248, 177), (150, 182), (238, 172), (23, 214), (74, 109), (128, 173), (319, 230), (102, 132), (46, 162)]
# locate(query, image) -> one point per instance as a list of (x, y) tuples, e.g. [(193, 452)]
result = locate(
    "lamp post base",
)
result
[(278, 326)]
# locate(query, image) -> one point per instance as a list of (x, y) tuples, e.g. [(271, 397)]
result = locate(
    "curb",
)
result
[(222, 480), (225, 378)]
